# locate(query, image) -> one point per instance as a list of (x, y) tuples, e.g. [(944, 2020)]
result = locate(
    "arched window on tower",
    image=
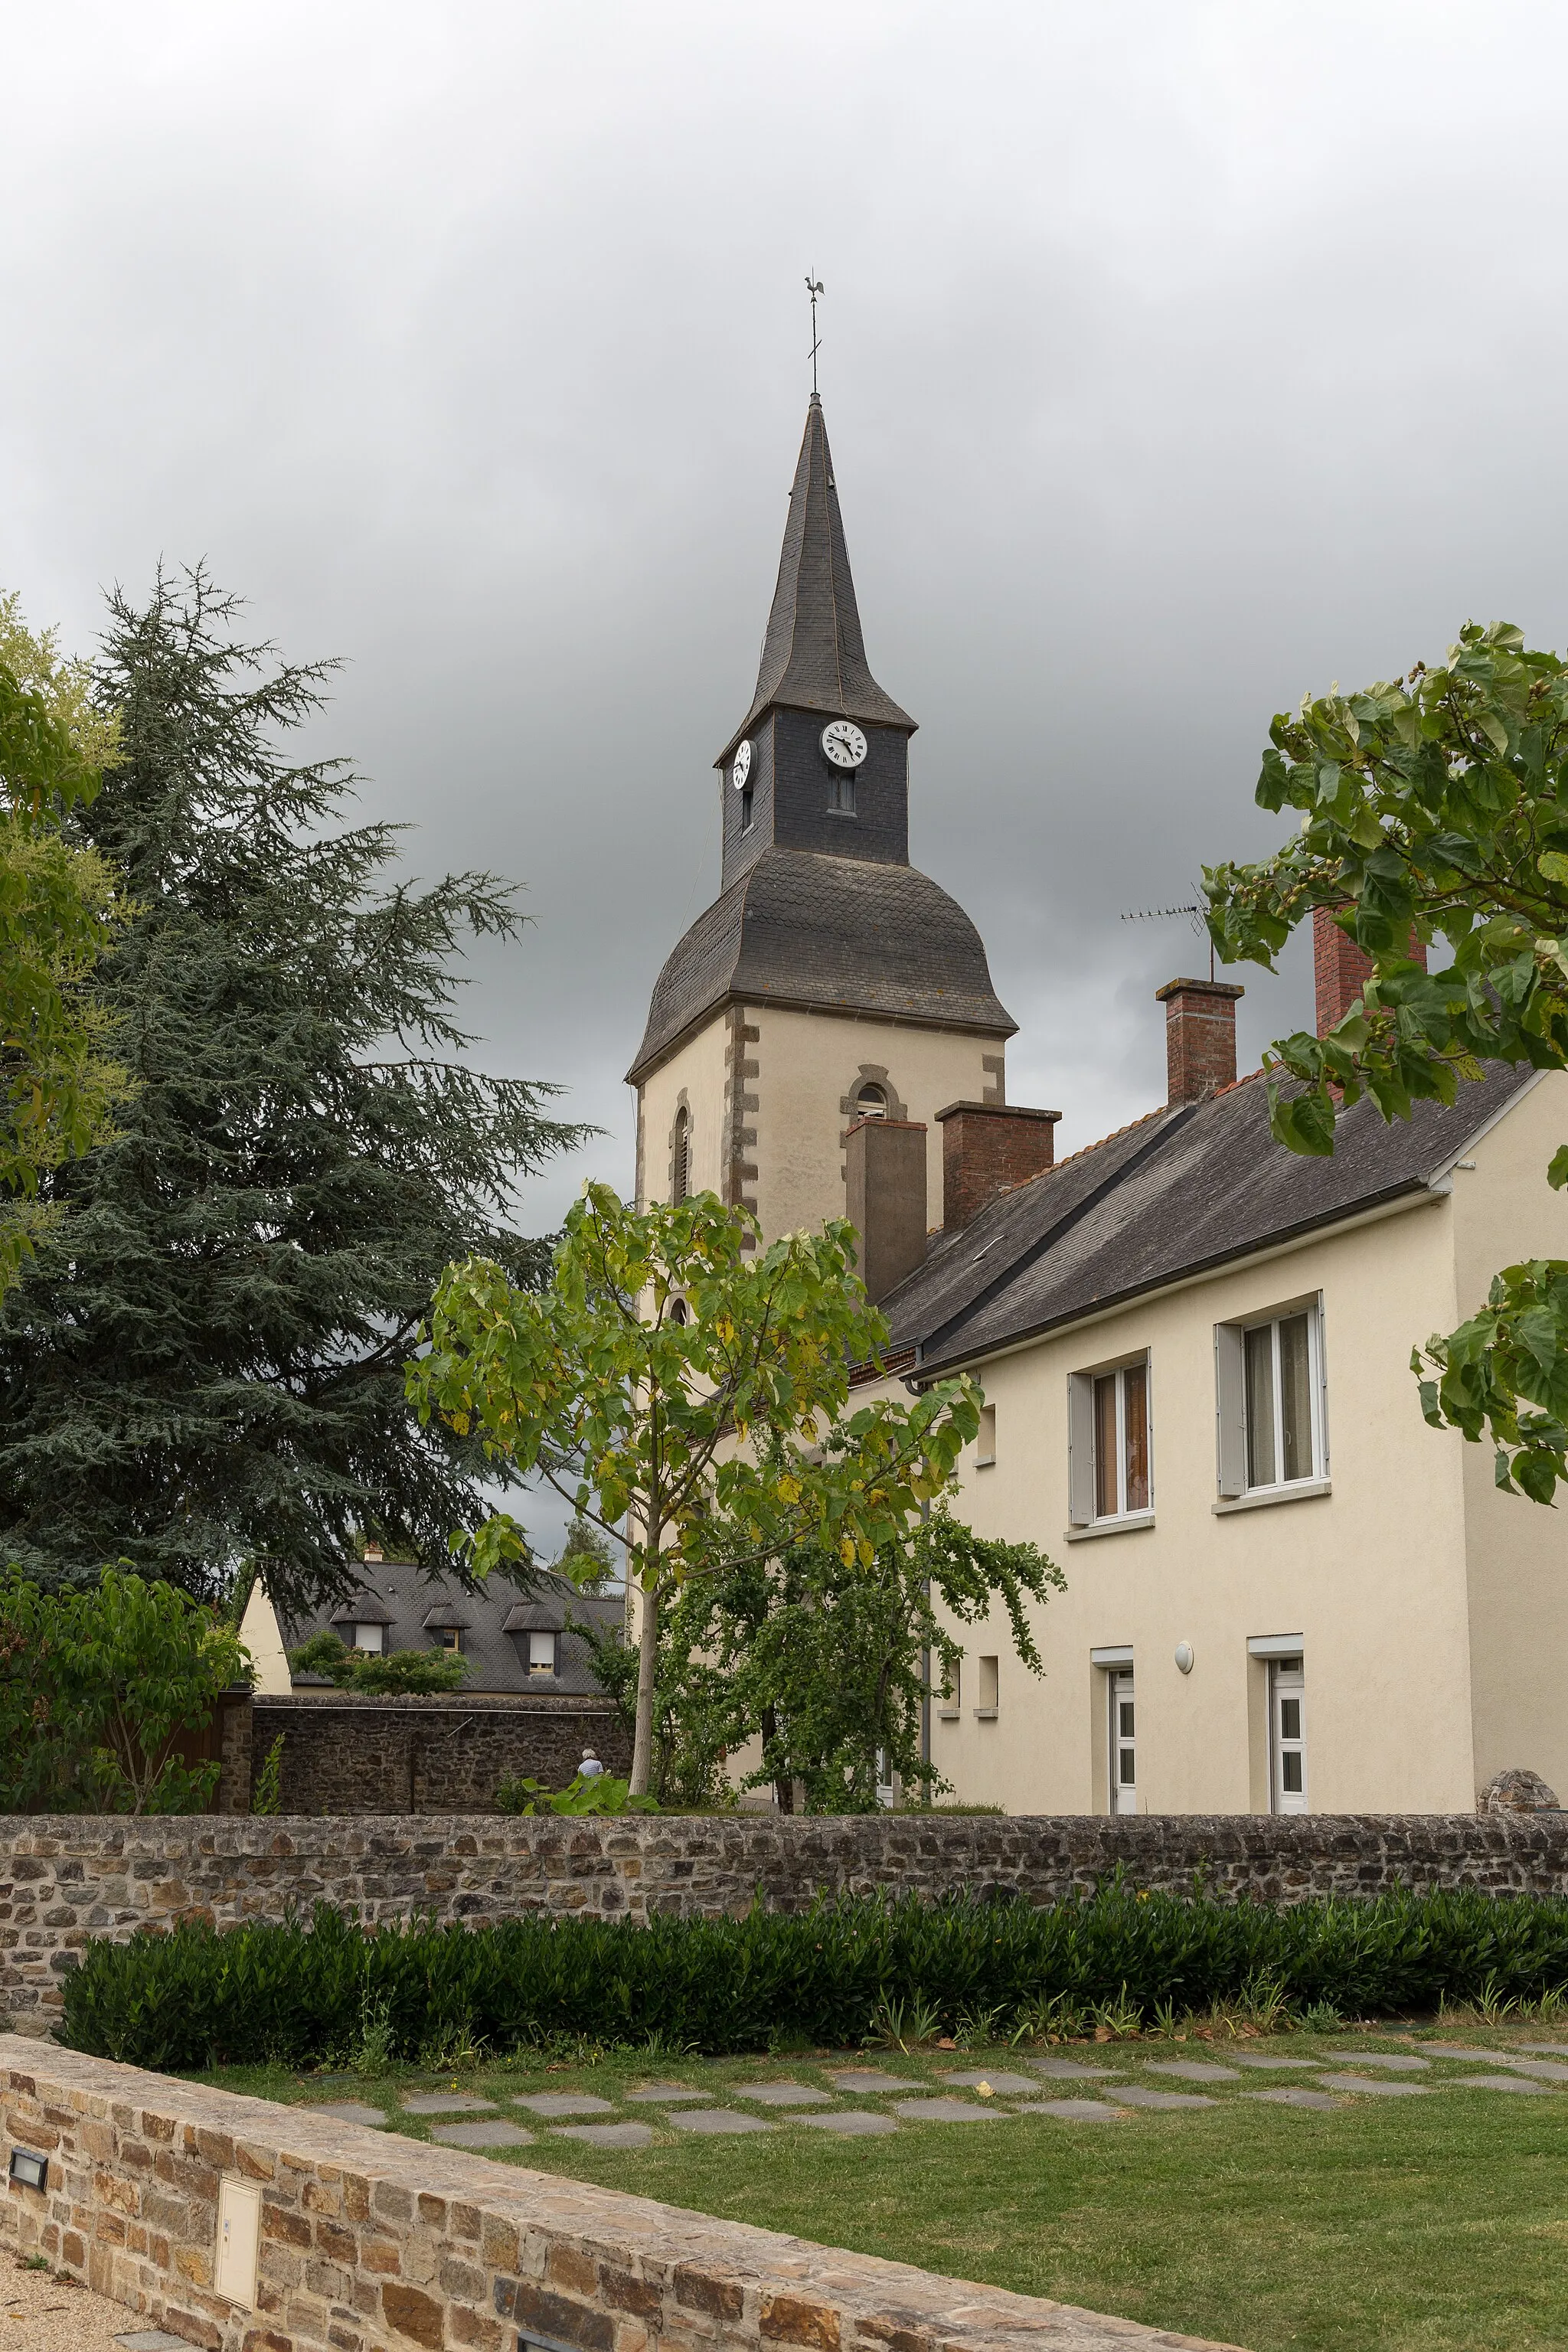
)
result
[(681, 1156), (870, 1100)]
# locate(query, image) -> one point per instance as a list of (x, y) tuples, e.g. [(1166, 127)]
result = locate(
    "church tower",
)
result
[(829, 981)]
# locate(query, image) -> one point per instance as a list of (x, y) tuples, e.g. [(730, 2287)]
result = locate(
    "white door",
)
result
[(1123, 1744), (1287, 1735)]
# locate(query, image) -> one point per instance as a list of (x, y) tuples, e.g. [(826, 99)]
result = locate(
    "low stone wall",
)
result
[(369, 2242), (66, 1878), (356, 1755)]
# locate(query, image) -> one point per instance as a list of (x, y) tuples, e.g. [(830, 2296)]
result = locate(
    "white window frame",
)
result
[(1232, 1431), (1287, 1680), (371, 1649), (540, 1634), (1121, 1685), (1085, 1518)]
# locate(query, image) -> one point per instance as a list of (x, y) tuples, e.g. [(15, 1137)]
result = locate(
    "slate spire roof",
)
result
[(814, 655)]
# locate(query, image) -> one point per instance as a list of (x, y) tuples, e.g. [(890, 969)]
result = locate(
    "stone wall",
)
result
[(369, 2242), (65, 1878), (355, 1755)]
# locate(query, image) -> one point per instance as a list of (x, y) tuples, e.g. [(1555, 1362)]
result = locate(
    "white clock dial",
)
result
[(743, 767), (844, 743)]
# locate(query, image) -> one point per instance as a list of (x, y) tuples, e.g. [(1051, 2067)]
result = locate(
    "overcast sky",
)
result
[(1177, 358)]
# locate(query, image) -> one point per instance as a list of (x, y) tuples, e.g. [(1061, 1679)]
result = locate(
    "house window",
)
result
[(365, 1637), (1287, 1736), (450, 1637), (988, 1688), (985, 1442), (841, 796), (542, 1654), (681, 1156), (746, 808), (1271, 1402), (870, 1100), (1109, 1444), (1123, 1742)]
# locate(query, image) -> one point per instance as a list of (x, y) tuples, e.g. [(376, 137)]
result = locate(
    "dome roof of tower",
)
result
[(826, 934)]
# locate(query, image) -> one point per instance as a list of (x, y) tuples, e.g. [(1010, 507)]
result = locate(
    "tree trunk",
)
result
[(647, 1664)]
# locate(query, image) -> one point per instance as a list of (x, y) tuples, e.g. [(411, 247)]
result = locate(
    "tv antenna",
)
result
[(1193, 911), (814, 288)]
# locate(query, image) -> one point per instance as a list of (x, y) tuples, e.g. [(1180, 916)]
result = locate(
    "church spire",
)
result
[(814, 656)]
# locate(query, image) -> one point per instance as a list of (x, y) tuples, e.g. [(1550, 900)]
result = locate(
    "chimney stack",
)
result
[(987, 1149), (1200, 1038), (1341, 970), (885, 1169)]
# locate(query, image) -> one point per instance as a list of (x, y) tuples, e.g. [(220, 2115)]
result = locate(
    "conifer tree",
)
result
[(207, 1360)]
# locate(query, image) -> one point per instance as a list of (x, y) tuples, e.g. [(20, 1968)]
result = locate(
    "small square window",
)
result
[(450, 1637), (366, 1637), (542, 1654)]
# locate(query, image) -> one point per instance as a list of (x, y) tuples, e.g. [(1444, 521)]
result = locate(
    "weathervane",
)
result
[(814, 288)]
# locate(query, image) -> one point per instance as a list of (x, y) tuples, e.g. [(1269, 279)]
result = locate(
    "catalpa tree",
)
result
[(1434, 807), (680, 1384)]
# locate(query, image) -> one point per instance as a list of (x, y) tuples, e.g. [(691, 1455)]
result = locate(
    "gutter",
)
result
[(1416, 1192)]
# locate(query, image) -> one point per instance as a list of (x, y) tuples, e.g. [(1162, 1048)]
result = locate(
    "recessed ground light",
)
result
[(32, 2171)]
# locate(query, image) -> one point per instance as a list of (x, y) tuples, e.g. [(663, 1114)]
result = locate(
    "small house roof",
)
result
[(364, 1608)]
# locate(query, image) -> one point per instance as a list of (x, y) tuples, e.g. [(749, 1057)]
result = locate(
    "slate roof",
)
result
[(1183, 1191), (413, 1604), (814, 655), (806, 929)]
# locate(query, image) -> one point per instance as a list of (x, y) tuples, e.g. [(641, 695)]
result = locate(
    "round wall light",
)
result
[(1185, 1657)]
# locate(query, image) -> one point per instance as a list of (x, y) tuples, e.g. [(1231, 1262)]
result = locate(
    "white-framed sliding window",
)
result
[(1110, 1445), (1287, 1736), (1271, 1403)]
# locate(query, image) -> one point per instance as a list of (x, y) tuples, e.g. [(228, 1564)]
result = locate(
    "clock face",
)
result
[(743, 767), (844, 743)]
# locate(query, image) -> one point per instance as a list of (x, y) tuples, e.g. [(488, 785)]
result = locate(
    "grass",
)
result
[(1411, 2225)]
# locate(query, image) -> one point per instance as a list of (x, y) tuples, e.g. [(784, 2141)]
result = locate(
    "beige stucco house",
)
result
[(1285, 1592)]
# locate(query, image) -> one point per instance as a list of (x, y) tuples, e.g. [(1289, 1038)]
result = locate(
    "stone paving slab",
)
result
[(665, 2095), (870, 2079), (1370, 2087), (1466, 2050), (1073, 2070), (1273, 2065), (622, 2134), (1528, 2049), (780, 2094), (445, 2103), (1546, 2068), (349, 2111), (1074, 2111), (565, 2103), (483, 2134), (1137, 2094), (717, 2120), (853, 2123), (1005, 2085), (1400, 2062), (1292, 2094), (1505, 2082), (949, 2111), (1194, 2070)]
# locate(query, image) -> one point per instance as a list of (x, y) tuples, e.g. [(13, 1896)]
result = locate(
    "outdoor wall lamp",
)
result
[(32, 2171), (1184, 1657)]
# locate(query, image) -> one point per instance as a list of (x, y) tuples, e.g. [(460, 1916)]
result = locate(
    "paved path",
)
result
[(41, 2313)]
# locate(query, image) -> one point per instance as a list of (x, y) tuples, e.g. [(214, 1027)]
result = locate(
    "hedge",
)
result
[(298, 1993)]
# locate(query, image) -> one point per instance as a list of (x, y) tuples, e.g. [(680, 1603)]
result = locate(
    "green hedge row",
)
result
[(297, 1993)]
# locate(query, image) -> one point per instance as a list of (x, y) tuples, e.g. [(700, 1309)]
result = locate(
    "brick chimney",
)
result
[(987, 1149), (885, 1169), (1200, 1038), (1341, 970)]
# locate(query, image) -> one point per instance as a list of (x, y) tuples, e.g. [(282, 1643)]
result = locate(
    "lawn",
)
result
[(1434, 2223)]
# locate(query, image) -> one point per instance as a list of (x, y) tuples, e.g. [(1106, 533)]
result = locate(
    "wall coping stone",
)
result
[(371, 2244)]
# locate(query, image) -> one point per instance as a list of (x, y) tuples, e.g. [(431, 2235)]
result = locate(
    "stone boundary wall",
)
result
[(64, 1879), (353, 1754), (370, 2243)]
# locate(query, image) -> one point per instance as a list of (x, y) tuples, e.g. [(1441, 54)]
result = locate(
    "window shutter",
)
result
[(1080, 1449), (1322, 1388), (1230, 1406)]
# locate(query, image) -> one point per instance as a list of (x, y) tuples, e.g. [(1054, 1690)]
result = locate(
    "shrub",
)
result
[(98, 1687), (828, 1977), (600, 1793), (394, 1673)]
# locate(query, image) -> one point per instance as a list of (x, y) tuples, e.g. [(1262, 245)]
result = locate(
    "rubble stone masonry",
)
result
[(370, 2243), (64, 1879)]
